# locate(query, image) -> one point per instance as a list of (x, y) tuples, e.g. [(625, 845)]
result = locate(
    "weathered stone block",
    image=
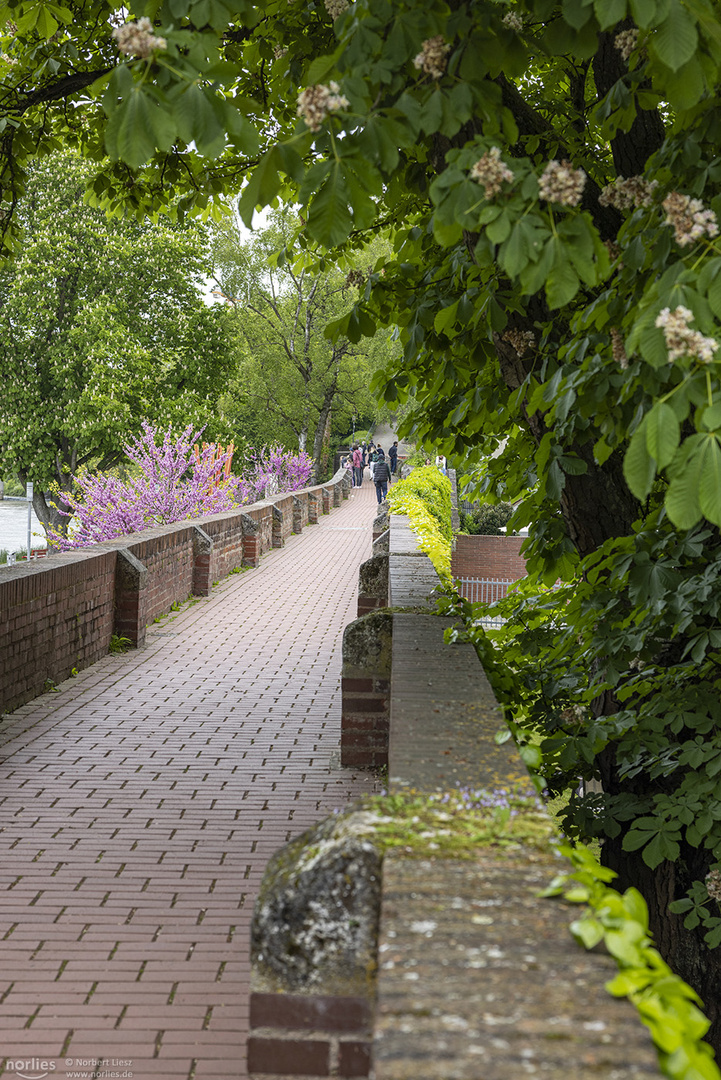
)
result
[(382, 521), (315, 924), (382, 543), (373, 583)]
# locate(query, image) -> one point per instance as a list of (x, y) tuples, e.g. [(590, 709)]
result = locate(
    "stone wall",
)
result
[(497, 557), (476, 976), (59, 614)]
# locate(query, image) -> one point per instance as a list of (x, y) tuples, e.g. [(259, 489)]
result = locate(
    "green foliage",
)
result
[(119, 644), (487, 519), (102, 324), (455, 824), (290, 381), (666, 1004), (434, 490), (425, 496)]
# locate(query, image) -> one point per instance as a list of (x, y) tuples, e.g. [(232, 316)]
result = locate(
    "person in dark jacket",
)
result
[(393, 457), (381, 476)]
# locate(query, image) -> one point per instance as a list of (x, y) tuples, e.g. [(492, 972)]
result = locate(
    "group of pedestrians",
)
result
[(381, 470)]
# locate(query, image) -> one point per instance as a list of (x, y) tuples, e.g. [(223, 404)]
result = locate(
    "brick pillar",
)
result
[(381, 523), (337, 493), (278, 515), (373, 583), (251, 541), (327, 494), (365, 687), (297, 514), (382, 543), (313, 507), (346, 486), (131, 601), (202, 562)]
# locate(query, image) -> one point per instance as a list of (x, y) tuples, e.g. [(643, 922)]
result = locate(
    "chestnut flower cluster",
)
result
[(316, 102), (561, 183), (623, 194), (520, 340), (335, 8), (491, 172), (138, 39), (713, 884), (355, 277), (689, 218), (681, 340), (626, 42), (433, 57), (618, 348), (512, 21)]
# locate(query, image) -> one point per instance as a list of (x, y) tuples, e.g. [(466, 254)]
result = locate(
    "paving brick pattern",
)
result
[(139, 805)]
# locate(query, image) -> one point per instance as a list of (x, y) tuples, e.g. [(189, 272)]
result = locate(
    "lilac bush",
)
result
[(174, 480)]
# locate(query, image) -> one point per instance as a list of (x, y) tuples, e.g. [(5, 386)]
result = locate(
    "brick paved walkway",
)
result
[(140, 804)]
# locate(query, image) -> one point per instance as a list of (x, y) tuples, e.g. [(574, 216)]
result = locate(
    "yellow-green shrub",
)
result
[(425, 496)]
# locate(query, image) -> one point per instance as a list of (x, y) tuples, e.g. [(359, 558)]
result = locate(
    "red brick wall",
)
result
[(496, 557), (59, 613), (167, 553), (309, 1035), (55, 615)]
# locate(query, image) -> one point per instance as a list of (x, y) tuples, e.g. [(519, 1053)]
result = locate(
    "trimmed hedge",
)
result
[(425, 496)]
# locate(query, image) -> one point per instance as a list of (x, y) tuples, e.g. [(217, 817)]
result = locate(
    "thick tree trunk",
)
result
[(320, 429), (48, 509), (684, 950)]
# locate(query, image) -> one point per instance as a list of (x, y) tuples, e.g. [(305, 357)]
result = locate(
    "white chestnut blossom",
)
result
[(618, 348), (560, 182), (512, 21), (520, 340), (490, 171), (681, 340), (626, 41), (335, 8), (713, 884), (689, 218), (433, 57), (623, 194), (316, 102), (138, 39)]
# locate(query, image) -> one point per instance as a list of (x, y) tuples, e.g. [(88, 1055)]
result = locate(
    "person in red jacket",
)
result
[(358, 465)]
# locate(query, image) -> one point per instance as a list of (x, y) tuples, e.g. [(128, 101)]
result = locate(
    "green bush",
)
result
[(434, 489), (486, 520), (425, 496), (13, 486)]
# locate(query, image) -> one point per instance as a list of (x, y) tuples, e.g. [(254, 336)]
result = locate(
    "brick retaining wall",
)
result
[(497, 557), (59, 614)]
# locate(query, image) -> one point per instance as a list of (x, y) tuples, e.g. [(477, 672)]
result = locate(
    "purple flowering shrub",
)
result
[(173, 480)]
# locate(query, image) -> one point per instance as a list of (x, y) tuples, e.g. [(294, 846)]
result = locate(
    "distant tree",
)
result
[(291, 382), (102, 325)]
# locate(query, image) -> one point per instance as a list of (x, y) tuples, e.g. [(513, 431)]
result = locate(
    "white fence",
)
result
[(485, 591)]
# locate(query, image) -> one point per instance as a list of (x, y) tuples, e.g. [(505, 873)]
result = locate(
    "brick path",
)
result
[(140, 804)]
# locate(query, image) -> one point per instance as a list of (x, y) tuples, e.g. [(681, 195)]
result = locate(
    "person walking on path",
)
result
[(358, 465), (393, 457), (381, 476)]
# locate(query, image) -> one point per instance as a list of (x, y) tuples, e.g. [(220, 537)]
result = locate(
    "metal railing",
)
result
[(485, 591)]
